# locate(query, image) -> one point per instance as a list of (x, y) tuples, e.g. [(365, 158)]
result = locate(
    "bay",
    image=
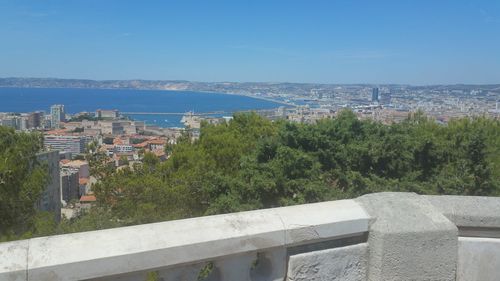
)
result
[(125, 100)]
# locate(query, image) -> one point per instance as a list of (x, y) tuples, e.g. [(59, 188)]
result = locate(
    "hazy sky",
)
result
[(400, 41)]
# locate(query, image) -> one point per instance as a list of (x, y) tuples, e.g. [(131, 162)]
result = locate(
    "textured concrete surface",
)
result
[(13, 260), (145, 247), (409, 239), (340, 264), (141, 248), (181, 273), (311, 222), (478, 259), (473, 215), (234, 268), (270, 266)]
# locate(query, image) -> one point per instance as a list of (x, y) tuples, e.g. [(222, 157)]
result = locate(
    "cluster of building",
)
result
[(37, 120), (131, 148), (386, 104), (442, 102), (68, 190), (193, 121), (66, 141), (67, 137), (72, 133), (376, 107), (23, 121)]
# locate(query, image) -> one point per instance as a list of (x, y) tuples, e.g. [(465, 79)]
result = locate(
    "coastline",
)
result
[(201, 101), (242, 95), (161, 90)]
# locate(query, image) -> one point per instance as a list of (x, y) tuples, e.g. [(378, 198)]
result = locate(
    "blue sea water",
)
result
[(78, 100)]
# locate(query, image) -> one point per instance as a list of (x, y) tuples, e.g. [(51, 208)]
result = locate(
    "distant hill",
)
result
[(84, 83), (222, 87)]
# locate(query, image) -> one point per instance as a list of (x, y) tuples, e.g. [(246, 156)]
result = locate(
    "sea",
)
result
[(125, 100)]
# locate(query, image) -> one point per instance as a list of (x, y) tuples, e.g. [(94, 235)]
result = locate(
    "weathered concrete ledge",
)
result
[(475, 216), (409, 239), (478, 259), (144, 247), (382, 236)]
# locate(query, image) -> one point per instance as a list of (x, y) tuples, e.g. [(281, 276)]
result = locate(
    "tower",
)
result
[(57, 115), (375, 97)]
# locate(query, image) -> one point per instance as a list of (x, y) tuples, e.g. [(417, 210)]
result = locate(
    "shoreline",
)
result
[(68, 92), (162, 90)]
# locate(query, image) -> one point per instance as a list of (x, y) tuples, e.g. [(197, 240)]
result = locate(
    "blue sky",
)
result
[(399, 41)]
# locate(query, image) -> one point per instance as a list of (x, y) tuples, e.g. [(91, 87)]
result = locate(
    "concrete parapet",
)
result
[(474, 216), (130, 250), (478, 259), (409, 239), (347, 263), (383, 236), (14, 260)]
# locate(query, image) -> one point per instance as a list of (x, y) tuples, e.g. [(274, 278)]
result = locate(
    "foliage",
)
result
[(22, 179), (252, 163), (99, 162), (124, 160), (152, 276)]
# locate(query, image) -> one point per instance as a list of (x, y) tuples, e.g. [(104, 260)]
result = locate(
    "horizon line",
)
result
[(255, 82)]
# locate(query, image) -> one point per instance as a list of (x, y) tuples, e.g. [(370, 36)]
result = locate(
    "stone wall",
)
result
[(384, 236)]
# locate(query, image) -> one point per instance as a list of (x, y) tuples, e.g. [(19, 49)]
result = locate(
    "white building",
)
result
[(112, 114), (123, 148), (57, 115), (73, 144)]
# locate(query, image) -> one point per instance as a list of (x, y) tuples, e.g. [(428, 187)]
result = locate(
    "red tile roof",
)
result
[(87, 198), (117, 140), (157, 142), (141, 145)]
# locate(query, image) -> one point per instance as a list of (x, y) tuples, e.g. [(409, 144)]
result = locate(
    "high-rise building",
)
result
[(70, 186), (81, 166), (375, 95), (50, 200), (35, 119), (57, 115), (23, 122)]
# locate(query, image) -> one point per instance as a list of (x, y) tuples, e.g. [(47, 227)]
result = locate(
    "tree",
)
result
[(99, 162), (22, 179), (124, 160), (251, 163)]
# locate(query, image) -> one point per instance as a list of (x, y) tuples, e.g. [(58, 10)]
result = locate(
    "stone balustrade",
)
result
[(382, 236)]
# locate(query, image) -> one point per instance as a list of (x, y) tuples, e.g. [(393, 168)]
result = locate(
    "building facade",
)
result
[(375, 96), (50, 200), (70, 186), (57, 115), (73, 144), (81, 166), (35, 119), (112, 114)]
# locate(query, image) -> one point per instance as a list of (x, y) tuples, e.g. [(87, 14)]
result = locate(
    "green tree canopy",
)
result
[(251, 162), (22, 180)]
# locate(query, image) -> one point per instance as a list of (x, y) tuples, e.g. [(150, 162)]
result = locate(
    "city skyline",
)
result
[(341, 42)]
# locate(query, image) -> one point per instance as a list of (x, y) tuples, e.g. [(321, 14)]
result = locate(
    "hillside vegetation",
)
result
[(253, 163)]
